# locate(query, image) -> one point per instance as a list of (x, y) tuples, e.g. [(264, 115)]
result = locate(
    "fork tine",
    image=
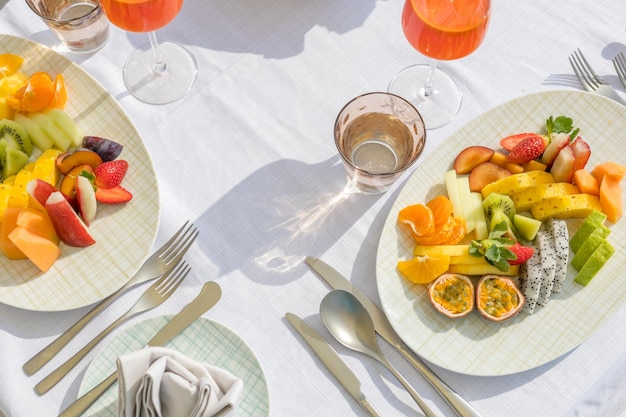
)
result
[(173, 279), (176, 251), (163, 249), (589, 69), (619, 62), (585, 73)]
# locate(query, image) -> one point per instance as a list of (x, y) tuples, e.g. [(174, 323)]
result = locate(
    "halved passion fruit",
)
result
[(498, 298), (452, 295)]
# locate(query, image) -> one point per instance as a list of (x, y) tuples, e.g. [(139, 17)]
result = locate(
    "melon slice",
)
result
[(7, 246), (38, 223), (41, 251)]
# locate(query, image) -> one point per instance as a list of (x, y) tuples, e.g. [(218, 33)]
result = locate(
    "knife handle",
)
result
[(367, 406), (82, 404), (462, 407)]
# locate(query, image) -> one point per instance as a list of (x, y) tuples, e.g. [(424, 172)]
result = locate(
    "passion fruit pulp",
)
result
[(498, 298), (452, 295)]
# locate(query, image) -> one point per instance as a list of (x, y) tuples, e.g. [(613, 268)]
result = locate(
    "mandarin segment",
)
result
[(419, 218), (9, 64)]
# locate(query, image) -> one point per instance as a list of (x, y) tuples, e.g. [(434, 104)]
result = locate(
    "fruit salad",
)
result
[(53, 174), (514, 202)]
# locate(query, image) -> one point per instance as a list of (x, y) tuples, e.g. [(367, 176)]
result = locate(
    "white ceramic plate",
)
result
[(124, 234), (476, 346), (205, 341)]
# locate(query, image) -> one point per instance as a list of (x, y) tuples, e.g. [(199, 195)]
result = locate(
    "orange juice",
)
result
[(445, 29), (141, 15)]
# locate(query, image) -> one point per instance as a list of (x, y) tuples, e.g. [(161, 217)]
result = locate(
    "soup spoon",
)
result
[(350, 323)]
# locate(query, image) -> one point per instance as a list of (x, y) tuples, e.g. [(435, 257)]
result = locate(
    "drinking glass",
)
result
[(442, 30), (156, 73), (379, 136)]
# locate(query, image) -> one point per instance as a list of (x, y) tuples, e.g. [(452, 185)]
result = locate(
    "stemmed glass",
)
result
[(441, 30), (156, 73)]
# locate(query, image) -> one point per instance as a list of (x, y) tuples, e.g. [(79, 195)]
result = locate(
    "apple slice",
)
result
[(564, 165), (557, 142), (86, 199), (69, 227)]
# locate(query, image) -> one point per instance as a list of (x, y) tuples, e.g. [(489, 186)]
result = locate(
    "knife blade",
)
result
[(333, 362), (384, 329), (209, 295)]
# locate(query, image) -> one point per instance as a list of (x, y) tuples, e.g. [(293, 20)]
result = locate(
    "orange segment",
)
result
[(419, 218), (59, 97), (441, 206), (424, 269), (9, 64), (450, 233), (38, 92)]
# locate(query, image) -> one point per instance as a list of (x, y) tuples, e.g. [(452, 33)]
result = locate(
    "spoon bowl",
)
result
[(349, 322)]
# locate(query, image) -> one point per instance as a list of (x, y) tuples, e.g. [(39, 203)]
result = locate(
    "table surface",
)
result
[(248, 156)]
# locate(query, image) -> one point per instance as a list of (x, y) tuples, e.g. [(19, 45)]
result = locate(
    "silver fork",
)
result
[(160, 262), (589, 79), (152, 297), (619, 62)]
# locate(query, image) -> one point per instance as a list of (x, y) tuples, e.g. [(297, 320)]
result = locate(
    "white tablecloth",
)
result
[(249, 157)]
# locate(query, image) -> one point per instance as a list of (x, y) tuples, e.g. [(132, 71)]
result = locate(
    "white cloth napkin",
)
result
[(161, 382)]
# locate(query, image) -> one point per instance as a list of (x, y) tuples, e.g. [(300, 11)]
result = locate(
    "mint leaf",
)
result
[(561, 124)]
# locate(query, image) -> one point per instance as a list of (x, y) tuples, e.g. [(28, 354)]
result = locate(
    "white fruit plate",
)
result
[(473, 345), (124, 233)]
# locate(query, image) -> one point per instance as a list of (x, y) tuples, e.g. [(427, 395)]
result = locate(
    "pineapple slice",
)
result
[(525, 199), (517, 183), (565, 207)]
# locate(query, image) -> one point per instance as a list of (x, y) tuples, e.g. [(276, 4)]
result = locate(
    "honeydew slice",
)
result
[(462, 182), (58, 137), (595, 262), (589, 246), (452, 187), (481, 230), (39, 138), (596, 218)]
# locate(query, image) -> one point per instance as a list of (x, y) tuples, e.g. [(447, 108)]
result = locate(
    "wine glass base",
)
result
[(151, 86), (437, 108)]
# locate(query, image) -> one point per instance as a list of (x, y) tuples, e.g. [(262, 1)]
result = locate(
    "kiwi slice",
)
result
[(500, 208), (13, 161), (501, 203), (16, 136)]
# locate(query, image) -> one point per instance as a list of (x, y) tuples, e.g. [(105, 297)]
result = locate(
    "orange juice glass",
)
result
[(141, 15), (442, 30)]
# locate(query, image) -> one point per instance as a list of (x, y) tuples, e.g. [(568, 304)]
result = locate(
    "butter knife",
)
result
[(333, 362), (384, 329), (209, 295)]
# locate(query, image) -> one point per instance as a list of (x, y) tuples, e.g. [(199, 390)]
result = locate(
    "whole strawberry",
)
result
[(110, 174), (523, 253), (531, 147)]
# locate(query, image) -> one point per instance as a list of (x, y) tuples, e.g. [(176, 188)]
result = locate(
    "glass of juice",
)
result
[(442, 30), (158, 72), (378, 135)]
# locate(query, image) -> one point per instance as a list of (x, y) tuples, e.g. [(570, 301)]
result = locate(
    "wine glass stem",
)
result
[(159, 66), (430, 76)]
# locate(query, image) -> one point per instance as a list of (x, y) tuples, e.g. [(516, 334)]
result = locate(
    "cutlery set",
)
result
[(165, 263), (592, 82), (352, 318)]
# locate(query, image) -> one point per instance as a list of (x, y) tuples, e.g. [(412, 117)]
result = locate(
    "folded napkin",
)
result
[(161, 382)]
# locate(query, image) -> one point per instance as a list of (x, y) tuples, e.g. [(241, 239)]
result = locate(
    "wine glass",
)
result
[(441, 30), (156, 73)]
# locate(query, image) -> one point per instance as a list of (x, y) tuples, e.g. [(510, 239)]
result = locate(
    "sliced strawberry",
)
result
[(531, 147), (523, 253), (115, 195), (582, 152), (510, 142), (110, 174)]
